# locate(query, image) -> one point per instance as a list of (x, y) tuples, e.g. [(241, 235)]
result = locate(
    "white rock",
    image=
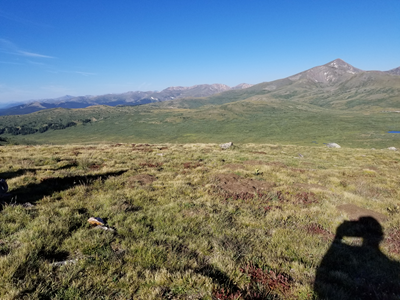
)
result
[(392, 148), (226, 145), (333, 145)]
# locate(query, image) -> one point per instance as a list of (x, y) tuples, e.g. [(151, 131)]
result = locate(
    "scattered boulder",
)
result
[(96, 221), (392, 148), (333, 145), (226, 145), (355, 212)]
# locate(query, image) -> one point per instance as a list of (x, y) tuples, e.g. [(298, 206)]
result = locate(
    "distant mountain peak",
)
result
[(329, 73), (342, 65)]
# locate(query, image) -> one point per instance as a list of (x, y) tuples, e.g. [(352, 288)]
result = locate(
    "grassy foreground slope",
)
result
[(256, 120), (192, 221)]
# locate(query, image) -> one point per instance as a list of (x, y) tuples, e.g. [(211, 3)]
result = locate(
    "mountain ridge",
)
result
[(320, 82), (128, 98)]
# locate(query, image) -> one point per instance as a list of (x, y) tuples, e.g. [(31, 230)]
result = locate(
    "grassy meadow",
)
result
[(251, 121), (192, 221)]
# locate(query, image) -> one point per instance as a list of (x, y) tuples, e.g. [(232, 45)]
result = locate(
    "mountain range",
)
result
[(336, 84), (128, 98)]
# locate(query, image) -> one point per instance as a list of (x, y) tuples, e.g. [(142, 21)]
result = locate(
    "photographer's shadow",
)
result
[(357, 271)]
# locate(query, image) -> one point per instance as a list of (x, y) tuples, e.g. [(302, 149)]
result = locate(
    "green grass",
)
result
[(183, 236), (251, 121)]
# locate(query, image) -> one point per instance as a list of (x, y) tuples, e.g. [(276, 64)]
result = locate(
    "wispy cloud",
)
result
[(30, 54), (9, 47)]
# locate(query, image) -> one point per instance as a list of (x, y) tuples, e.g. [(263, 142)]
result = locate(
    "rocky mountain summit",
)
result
[(332, 72)]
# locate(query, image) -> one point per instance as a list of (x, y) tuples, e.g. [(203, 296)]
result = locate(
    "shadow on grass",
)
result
[(218, 276), (12, 174), (34, 192), (357, 271)]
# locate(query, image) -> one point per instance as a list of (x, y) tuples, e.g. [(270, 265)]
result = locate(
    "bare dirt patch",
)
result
[(355, 212), (142, 179), (233, 183)]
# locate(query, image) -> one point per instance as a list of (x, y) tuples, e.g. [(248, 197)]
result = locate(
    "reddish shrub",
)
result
[(226, 295), (262, 284), (269, 279), (315, 228)]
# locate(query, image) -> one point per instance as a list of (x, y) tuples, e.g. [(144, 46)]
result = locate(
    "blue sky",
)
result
[(53, 48)]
